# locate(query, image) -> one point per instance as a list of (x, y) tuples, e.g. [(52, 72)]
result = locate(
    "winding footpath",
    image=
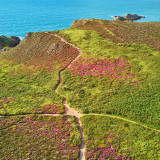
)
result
[(73, 112), (68, 110)]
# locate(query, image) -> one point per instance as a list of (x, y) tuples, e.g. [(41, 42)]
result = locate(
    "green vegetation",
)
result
[(90, 94), (43, 49), (6, 42), (116, 79), (39, 137), (124, 138), (27, 90), (124, 32), (29, 74)]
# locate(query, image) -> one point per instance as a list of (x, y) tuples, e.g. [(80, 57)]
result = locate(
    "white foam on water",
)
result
[(21, 38)]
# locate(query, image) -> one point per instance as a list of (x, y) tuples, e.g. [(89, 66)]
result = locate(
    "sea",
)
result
[(17, 17)]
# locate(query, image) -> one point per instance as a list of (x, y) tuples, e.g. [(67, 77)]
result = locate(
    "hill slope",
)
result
[(112, 78), (30, 73), (115, 77)]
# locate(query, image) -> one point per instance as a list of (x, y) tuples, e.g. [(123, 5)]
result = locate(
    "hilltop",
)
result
[(89, 91)]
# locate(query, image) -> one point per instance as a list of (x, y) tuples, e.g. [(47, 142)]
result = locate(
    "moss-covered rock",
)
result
[(8, 42)]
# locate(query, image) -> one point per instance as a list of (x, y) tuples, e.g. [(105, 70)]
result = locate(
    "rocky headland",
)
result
[(6, 42), (128, 17)]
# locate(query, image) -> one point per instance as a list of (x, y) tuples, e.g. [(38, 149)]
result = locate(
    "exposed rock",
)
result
[(80, 22), (55, 47), (120, 18), (4, 50), (9, 42), (29, 34), (14, 41), (133, 17), (128, 17)]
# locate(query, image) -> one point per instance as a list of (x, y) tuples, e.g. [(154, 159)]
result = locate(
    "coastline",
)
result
[(19, 18)]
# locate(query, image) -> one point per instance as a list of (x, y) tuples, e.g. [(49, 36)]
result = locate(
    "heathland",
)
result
[(109, 71)]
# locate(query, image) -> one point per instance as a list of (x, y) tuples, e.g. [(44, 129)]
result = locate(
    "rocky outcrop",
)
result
[(8, 42), (80, 22), (29, 34), (133, 17), (14, 41), (120, 18), (128, 17)]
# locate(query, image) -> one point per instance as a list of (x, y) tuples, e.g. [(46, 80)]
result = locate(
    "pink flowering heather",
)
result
[(52, 109), (112, 69), (6, 100), (39, 137), (31, 70), (109, 150), (24, 70)]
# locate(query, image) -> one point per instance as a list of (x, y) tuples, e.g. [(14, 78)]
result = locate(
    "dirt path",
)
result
[(80, 53), (73, 112), (68, 110), (94, 114), (105, 115)]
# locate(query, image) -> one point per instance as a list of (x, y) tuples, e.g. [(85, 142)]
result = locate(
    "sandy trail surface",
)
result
[(68, 110)]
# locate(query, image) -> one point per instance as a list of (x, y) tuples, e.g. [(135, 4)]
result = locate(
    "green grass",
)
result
[(39, 137), (27, 90), (144, 143), (29, 74), (124, 32), (5, 42), (138, 103)]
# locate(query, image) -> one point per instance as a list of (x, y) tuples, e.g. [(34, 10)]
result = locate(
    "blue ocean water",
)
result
[(17, 17)]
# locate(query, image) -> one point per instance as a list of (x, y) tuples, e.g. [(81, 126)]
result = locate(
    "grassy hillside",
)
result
[(30, 73), (113, 138), (114, 77), (53, 137), (114, 84), (124, 32)]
